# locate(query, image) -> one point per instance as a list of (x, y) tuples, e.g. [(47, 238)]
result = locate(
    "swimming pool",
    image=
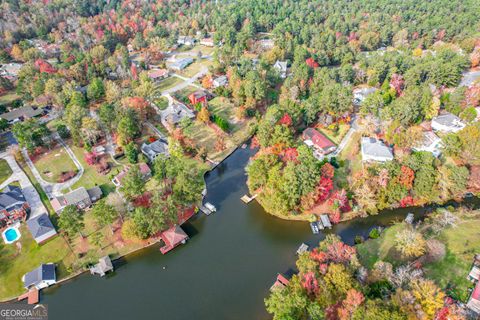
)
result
[(11, 235)]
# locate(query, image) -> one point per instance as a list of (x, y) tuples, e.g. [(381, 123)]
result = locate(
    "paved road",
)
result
[(50, 188), (31, 195)]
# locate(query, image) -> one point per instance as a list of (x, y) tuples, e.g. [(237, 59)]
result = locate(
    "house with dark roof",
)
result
[(172, 238), (42, 277), (375, 150), (174, 113), (154, 149), (144, 170), (81, 197), (41, 228), (320, 144), (13, 206), (22, 113)]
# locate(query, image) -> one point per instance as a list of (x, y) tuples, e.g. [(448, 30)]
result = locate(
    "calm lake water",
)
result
[(223, 272)]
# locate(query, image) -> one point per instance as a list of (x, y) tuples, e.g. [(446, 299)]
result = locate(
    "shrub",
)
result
[(374, 233)]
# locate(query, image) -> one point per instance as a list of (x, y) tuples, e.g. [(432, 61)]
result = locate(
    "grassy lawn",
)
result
[(167, 84), (53, 163), (8, 98), (337, 136), (351, 153), (38, 187), (194, 68), (382, 248), (462, 244), (91, 177), (161, 103), (15, 262), (5, 170)]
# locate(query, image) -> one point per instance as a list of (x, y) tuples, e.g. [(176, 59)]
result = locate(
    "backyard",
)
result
[(336, 135), (55, 163), (16, 260), (168, 83), (5, 171)]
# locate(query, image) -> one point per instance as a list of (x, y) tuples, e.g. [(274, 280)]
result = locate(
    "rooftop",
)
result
[(11, 198), (43, 272), (374, 148), (40, 226), (26, 112)]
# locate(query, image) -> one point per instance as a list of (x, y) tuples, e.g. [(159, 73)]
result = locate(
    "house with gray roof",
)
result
[(180, 64), (103, 266), (375, 150), (42, 277), (186, 40), (430, 142), (22, 113), (221, 81), (447, 122), (360, 94), (81, 197), (41, 228), (174, 113), (13, 206), (152, 150)]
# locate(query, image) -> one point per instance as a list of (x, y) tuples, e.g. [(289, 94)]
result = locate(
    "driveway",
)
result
[(31, 194), (346, 138), (50, 188)]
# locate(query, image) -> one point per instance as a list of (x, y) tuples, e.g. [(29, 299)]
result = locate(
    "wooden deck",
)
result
[(32, 296)]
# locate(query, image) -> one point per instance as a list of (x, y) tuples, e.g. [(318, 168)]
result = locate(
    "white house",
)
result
[(360, 94), (430, 143), (221, 81), (447, 123), (152, 150), (207, 42), (42, 277), (375, 150), (281, 66), (186, 40)]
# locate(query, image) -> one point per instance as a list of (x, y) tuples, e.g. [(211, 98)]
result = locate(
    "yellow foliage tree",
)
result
[(204, 115)]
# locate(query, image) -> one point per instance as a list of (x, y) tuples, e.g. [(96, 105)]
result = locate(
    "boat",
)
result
[(326, 221), (314, 227), (302, 249), (210, 207), (409, 218)]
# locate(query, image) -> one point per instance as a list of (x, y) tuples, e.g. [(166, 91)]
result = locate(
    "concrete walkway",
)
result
[(346, 139), (55, 189), (31, 194), (155, 130)]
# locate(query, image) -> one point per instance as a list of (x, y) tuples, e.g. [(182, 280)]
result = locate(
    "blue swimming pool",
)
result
[(11, 235)]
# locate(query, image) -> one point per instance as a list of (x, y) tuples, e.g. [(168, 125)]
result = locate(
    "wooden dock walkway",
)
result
[(245, 198), (32, 296)]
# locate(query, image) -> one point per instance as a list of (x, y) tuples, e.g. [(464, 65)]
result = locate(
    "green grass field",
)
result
[(167, 84), (5, 170), (8, 98), (15, 262), (336, 137), (53, 163)]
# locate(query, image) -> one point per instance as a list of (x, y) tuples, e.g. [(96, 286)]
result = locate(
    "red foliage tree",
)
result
[(323, 189), (312, 63), (351, 302), (340, 200), (310, 283), (139, 104), (327, 170), (143, 200), (407, 202), (286, 120), (44, 66), (90, 158), (397, 82), (290, 154), (133, 70), (474, 179), (337, 252), (406, 177)]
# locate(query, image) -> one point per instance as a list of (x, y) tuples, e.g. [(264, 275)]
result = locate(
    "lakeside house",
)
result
[(360, 94), (280, 283), (173, 237), (320, 144), (41, 228), (281, 67), (144, 171), (81, 198), (180, 64), (186, 40), (221, 81), (156, 75), (198, 96), (174, 113), (447, 123), (13, 205), (154, 149), (375, 150), (429, 143), (42, 277), (21, 114)]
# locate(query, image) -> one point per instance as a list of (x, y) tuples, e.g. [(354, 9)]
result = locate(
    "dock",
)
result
[(302, 249), (32, 296), (325, 221), (208, 208), (314, 227), (245, 198), (409, 218), (280, 283), (103, 266)]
